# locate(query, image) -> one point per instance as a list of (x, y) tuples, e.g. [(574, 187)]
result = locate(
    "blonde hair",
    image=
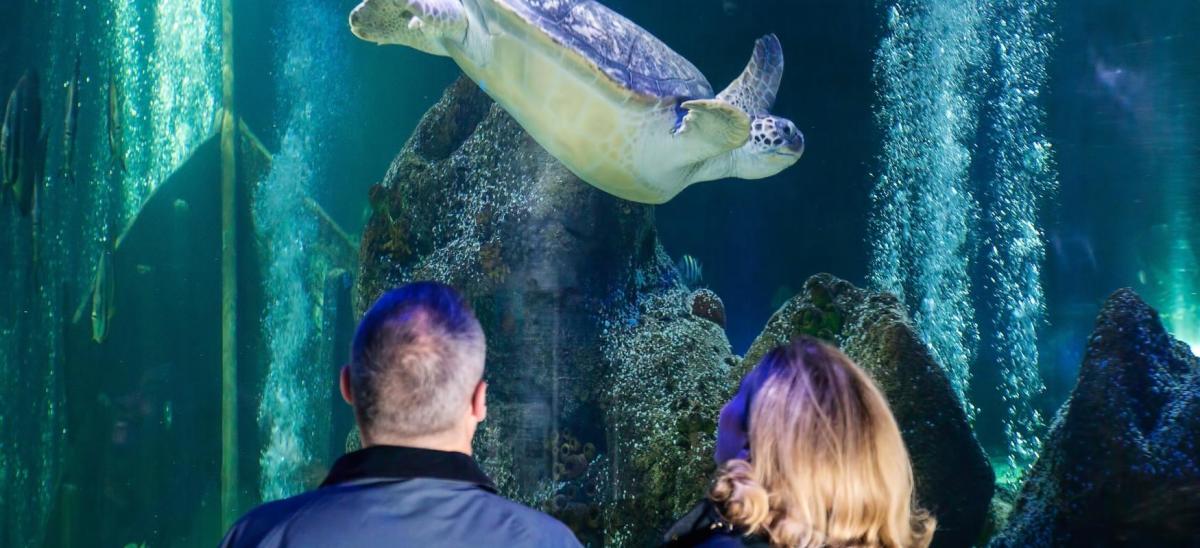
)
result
[(828, 466)]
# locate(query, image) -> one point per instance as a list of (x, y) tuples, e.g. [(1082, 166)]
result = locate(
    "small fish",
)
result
[(7, 148), (103, 291), (116, 128), (71, 124), (23, 142), (1073, 251), (690, 271)]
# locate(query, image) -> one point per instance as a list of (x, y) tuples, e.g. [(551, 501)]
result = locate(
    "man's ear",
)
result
[(479, 402), (344, 384)]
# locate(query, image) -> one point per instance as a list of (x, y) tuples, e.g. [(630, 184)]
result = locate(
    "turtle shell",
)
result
[(629, 55)]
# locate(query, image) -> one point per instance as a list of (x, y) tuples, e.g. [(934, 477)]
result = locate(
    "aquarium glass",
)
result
[(226, 185)]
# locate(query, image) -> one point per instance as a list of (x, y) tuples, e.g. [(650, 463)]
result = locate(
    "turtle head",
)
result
[(427, 25), (381, 21), (774, 145)]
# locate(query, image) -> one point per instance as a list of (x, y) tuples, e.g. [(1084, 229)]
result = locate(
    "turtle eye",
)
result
[(787, 130)]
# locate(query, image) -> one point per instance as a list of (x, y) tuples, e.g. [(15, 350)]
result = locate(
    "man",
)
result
[(416, 384)]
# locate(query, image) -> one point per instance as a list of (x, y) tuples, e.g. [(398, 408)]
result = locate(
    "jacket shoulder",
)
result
[(257, 523), (539, 526)]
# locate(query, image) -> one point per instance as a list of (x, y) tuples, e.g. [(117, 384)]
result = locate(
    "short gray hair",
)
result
[(418, 355)]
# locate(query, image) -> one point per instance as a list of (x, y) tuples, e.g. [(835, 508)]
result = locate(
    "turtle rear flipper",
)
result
[(754, 91), (426, 25)]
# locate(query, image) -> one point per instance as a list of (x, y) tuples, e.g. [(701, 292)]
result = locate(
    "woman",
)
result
[(811, 457)]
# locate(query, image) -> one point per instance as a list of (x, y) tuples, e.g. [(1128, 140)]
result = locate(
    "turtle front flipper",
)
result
[(754, 91), (427, 25), (712, 127)]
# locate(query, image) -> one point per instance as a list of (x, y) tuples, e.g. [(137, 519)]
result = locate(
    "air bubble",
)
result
[(927, 219)]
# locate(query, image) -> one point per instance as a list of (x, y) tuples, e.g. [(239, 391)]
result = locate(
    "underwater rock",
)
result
[(706, 304), (953, 478), (1121, 463), (671, 373), (604, 387)]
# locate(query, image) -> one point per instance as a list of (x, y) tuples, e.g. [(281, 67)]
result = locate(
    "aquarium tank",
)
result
[(992, 205)]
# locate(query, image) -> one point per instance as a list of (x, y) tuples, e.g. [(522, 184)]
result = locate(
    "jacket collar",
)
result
[(394, 462)]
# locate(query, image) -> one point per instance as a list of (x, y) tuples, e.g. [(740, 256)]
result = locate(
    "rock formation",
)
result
[(1121, 463)]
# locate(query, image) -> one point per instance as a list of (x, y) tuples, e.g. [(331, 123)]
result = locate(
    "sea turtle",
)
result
[(610, 101)]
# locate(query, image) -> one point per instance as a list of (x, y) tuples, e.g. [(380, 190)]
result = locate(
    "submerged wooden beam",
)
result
[(229, 294), (262, 159), (339, 234)]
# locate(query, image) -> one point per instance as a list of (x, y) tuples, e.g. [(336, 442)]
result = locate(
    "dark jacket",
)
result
[(399, 496), (704, 526)]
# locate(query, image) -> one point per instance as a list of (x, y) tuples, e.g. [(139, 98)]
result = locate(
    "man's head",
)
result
[(415, 376)]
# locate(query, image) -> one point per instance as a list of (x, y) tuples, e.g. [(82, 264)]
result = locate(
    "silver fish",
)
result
[(71, 124), (24, 142), (691, 272), (116, 129), (103, 290)]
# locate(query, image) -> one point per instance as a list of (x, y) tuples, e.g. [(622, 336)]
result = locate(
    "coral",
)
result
[(671, 373), (953, 478), (1121, 463), (580, 473), (572, 457), (704, 303), (492, 261)]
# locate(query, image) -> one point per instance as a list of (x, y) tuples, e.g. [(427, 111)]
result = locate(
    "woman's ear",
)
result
[(344, 384)]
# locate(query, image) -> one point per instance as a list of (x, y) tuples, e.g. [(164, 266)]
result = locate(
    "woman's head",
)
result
[(827, 465)]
